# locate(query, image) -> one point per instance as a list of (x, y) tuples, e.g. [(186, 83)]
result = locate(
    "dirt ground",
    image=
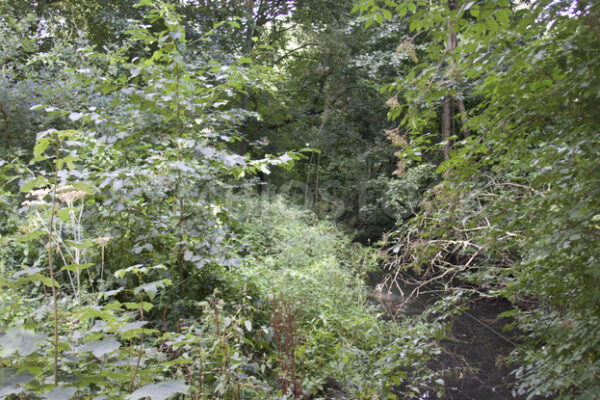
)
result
[(473, 361)]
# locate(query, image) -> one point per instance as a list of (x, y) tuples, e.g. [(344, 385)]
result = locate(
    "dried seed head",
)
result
[(39, 193), (69, 194), (392, 102), (400, 168), (407, 47), (102, 240), (397, 140), (34, 203)]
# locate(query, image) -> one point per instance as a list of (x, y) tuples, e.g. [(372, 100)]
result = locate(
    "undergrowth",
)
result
[(345, 343), (292, 320)]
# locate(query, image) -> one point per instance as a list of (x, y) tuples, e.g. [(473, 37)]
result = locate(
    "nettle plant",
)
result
[(168, 144), (70, 336), (128, 214)]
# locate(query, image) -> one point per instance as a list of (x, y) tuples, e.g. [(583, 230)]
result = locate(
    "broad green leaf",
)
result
[(102, 346), (37, 277), (84, 187), (10, 380), (63, 214), (32, 184), (492, 25), (96, 312), (151, 288), (75, 116), (502, 17), (77, 267), (138, 269), (69, 160), (265, 169), (40, 146), (20, 340), (132, 326), (135, 72), (27, 271), (94, 379), (136, 306), (61, 393), (159, 391), (142, 3)]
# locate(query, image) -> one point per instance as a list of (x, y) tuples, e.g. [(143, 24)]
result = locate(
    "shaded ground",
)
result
[(474, 360)]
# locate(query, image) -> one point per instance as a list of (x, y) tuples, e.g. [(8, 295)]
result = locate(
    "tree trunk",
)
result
[(321, 133), (447, 105), (243, 144), (463, 117), (446, 126), (244, 99)]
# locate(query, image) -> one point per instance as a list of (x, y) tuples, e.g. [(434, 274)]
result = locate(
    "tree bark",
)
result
[(245, 98), (321, 133), (447, 105), (463, 117), (446, 126), (243, 144)]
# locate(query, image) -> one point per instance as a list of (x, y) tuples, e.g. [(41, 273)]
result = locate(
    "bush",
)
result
[(344, 341)]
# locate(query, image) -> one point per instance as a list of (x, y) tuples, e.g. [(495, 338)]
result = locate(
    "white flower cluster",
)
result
[(69, 194), (38, 195), (102, 240)]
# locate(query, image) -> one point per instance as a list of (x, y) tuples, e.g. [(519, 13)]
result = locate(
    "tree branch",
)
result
[(293, 51)]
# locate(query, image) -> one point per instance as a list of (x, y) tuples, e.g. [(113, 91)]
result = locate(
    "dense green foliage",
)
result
[(516, 213), (181, 183)]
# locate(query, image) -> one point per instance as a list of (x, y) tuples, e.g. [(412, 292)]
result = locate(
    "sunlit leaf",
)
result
[(75, 116), (32, 184), (10, 380), (61, 393), (19, 340), (159, 391), (101, 347)]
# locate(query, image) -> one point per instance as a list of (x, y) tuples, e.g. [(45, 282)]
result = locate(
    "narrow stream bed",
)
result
[(474, 358)]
